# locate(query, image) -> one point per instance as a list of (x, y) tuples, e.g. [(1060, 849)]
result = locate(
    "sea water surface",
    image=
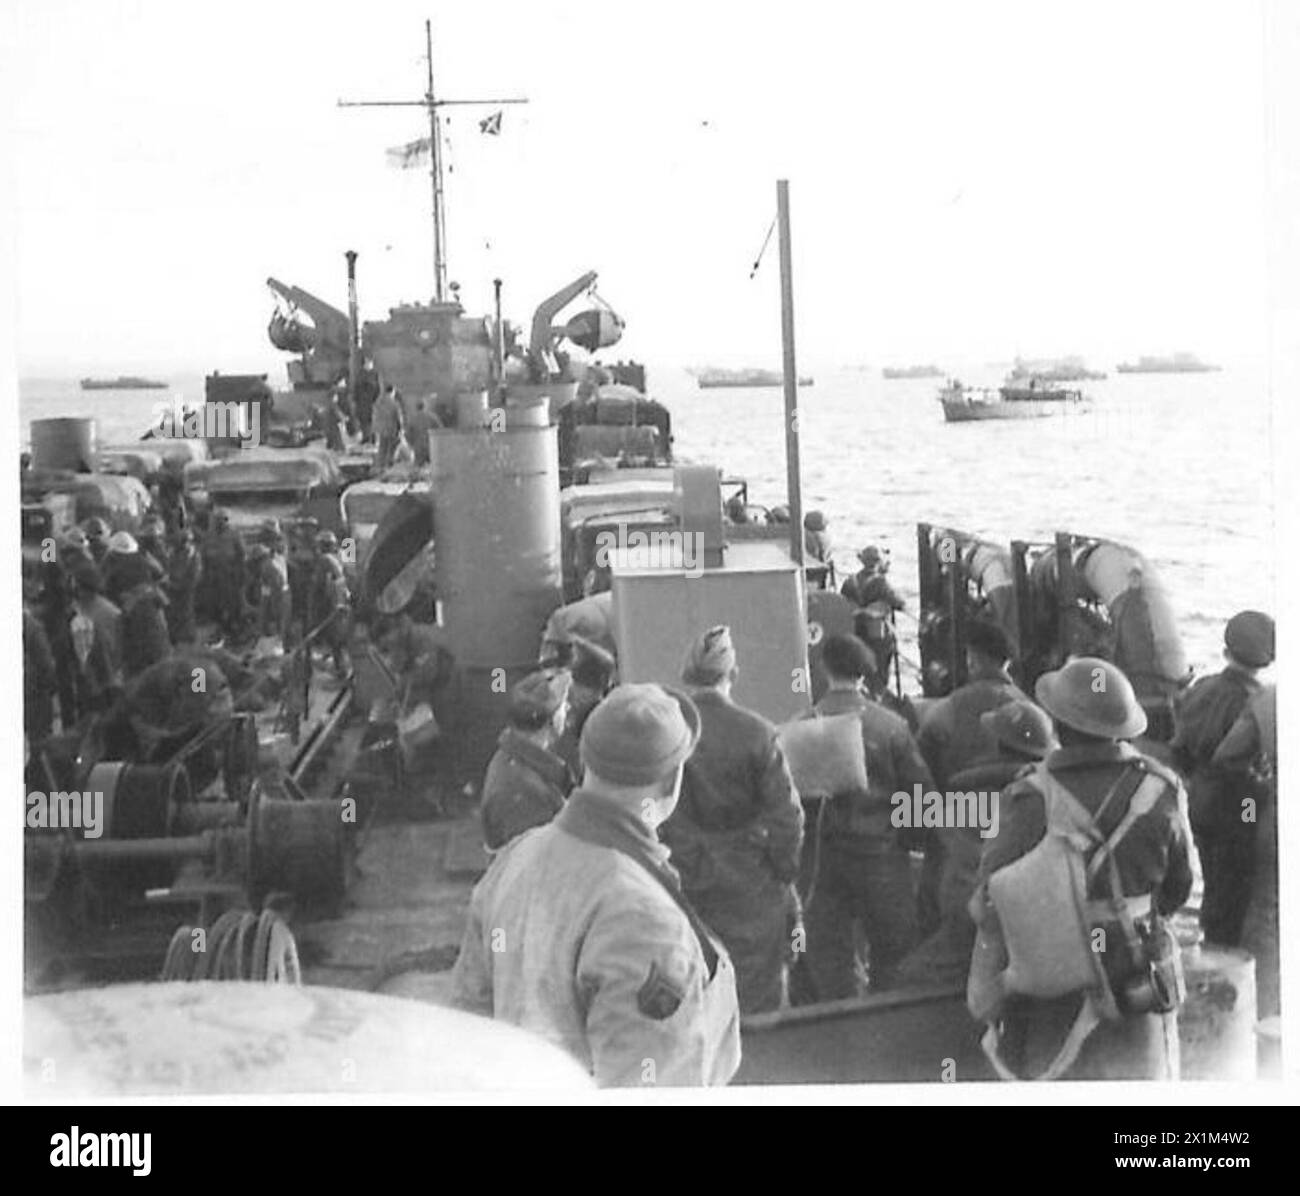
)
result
[(1176, 465)]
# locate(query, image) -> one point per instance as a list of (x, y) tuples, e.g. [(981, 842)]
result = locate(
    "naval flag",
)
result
[(410, 155), (491, 124)]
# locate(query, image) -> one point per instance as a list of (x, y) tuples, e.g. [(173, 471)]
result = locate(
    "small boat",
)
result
[(122, 382), (964, 403)]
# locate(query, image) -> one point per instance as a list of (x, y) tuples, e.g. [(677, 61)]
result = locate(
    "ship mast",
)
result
[(431, 103)]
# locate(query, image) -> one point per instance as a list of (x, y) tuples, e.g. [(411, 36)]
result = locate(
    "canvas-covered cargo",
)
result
[(119, 499), (265, 471), (133, 461)]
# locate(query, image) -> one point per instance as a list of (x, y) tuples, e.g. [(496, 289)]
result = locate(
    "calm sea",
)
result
[(1176, 465)]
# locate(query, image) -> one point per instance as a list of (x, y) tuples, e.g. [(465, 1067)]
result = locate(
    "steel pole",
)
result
[(794, 486)]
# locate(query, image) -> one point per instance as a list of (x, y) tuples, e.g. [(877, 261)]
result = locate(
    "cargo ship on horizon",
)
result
[(711, 378), (1179, 363), (122, 382), (896, 373)]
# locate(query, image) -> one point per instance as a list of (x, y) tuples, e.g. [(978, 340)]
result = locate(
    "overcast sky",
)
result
[(969, 180)]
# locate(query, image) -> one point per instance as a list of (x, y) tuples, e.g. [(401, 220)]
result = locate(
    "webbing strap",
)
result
[(1086, 1021)]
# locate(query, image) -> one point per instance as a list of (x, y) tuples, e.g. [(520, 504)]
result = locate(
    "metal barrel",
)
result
[(497, 537), (1216, 1024), (65, 443)]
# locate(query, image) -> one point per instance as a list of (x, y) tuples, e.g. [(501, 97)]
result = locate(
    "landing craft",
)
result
[(216, 809)]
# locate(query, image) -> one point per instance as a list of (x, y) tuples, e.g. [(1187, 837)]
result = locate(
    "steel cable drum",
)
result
[(238, 1037), (403, 532)]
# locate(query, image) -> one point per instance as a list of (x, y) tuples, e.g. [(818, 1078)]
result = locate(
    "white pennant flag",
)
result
[(410, 155)]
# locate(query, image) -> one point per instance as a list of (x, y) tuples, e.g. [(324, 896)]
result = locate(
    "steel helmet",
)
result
[(1021, 726), (1093, 696)]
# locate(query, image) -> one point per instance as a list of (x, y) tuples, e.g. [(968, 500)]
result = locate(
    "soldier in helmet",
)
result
[(1021, 734), (97, 531), (526, 781), (331, 602), (223, 567), (1216, 791), (1112, 792)]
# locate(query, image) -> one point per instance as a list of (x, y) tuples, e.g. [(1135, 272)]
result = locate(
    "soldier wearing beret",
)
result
[(737, 831), (1224, 839), (953, 737), (526, 781), (579, 930)]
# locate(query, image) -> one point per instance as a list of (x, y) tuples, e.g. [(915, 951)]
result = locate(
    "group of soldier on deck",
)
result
[(813, 897), (101, 608)]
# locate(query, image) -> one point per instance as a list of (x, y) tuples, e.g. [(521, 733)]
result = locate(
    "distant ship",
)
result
[(124, 382), (1055, 369), (713, 378), (912, 371), (1179, 363)]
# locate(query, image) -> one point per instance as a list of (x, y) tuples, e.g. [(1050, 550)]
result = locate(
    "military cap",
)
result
[(538, 696), (1021, 726), (711, 657), (122, 542), (848, 656), (1249, 638), (640, 734), (1093, 696), (814, 521)]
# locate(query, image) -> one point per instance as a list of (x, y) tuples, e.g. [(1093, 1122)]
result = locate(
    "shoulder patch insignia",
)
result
[(659, 998)]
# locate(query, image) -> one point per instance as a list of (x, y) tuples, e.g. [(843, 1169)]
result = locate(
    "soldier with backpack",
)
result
[(1075, 970)]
